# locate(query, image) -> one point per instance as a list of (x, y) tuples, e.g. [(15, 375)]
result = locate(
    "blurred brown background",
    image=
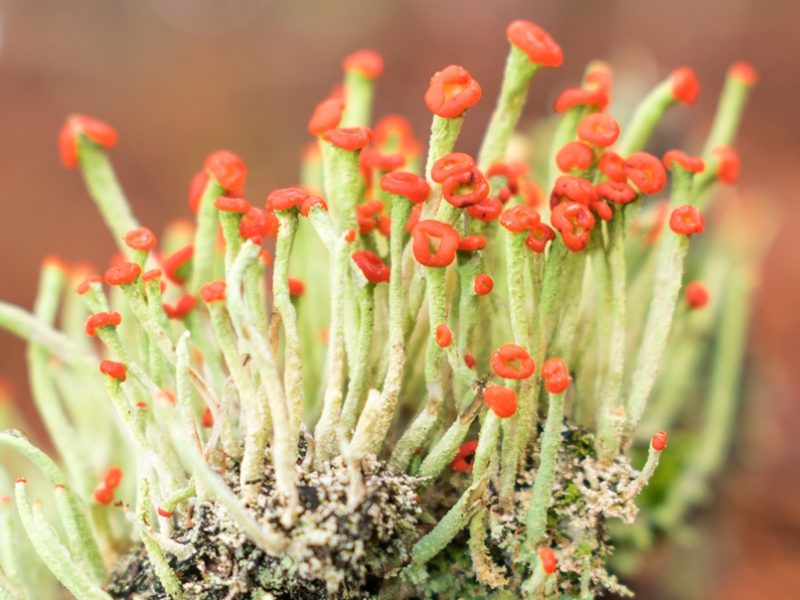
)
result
[(179, 78)]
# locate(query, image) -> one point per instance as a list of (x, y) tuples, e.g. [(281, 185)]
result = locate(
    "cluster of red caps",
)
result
[(104, 493)]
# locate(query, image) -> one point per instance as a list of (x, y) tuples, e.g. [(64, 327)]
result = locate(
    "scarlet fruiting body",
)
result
[(435, 243), (181, 308), (693, 164), (451, 92), (443, 335), (228, 169), (646, 172), (659, 441), (213, 292), (574, 156), (326, 115), (123, 273), (449, 165), (598, 129), (697, 295), (686, 220), (519, 218), (141, 239), (402, 183), (371, 265), (462, 463), (548, 560), (502, 400), (100, 133), (729, 165), (366, 62), (465, 189), (482, 284), (511, 361), (348, 138), (102, 319), (534, 41), (113, 369), (575, 223), (685, 87), (556, 375), (286, 198)]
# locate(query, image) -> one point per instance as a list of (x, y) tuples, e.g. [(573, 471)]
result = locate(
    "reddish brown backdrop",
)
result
[(179, 78)]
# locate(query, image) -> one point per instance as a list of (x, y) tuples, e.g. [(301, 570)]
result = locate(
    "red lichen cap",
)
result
[(511, 361), (181, 308), (574, 156), (686, 220), (123, 273), (434, 243), (367, 62), (612, 165), (743, 71), (257, 222), (598, 129), (482, 284), (556, 375), (443, 335), (102, 319), (228, 169), (462, 463), (286, 198), (502, 400), (103, 495), (208, 418), (729, 165), (176, 265), (539, 236), (232, 205), (469, 360), (575, 223), (326, 115), (696, 294), (574, 189), (451, 92), (472, 243), (213, 291), (548, 560), (646, 172), (112, 478), (402, 183), (519, 218), (86, 284), (685, 87), (618, 192), (371, 265), (486, 210), (117, 370), (659, 441), (296, 287), (693, 164), (141, 238), (349, 138), (100, 133), (534, 41), (465, 189), (453, 163), (310, 203)]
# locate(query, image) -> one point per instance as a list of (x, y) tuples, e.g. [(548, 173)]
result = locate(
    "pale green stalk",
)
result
[(536, 518), (358, 92), (514, 90), (446, 449), (648, 115), (155, 555), (448, 527), (205, 237), (54, 555), (98, 174), (359, 372), (70, 509), (293, 363)]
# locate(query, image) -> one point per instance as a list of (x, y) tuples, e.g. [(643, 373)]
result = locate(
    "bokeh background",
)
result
[(179, 78)]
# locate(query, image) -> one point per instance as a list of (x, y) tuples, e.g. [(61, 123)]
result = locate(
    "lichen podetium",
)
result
[(405, 376)]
